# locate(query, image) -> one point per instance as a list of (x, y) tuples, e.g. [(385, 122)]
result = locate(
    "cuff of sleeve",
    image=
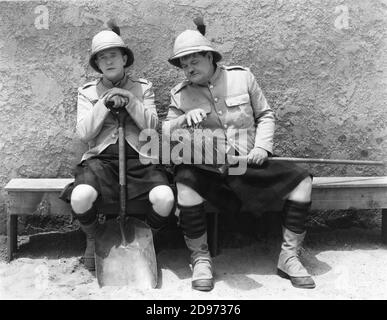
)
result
[(265, 146), (133, 108), (173, 124), (101, 108)]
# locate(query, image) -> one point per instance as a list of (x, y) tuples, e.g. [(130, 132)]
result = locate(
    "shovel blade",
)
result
[(133, 265)]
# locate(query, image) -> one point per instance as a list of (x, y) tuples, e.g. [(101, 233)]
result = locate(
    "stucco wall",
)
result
[(321, 64)]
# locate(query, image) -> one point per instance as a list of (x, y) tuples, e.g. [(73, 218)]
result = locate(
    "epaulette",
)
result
[(141, 80), (235, 68), (94, 82), (89, 90), (179, 86)]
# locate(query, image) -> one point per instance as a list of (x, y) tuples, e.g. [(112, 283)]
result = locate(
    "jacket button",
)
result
[(216, 99), (211, 86)]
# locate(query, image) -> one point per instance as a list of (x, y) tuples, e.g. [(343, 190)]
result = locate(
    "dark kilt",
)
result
[(101, 172), (259, 189)]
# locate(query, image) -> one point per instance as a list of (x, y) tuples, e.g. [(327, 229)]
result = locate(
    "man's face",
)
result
[(111, 62), (198, 68)]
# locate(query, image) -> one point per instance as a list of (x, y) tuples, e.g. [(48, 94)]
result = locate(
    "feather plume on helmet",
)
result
[(191, 41), (200, 25), (112, 25)]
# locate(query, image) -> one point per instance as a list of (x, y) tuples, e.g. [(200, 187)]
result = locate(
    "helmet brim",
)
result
[(175, 60), (127, 52)]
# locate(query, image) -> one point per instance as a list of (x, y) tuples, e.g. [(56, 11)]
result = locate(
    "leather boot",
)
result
[(202, 278), (289, 264), (89, 255)]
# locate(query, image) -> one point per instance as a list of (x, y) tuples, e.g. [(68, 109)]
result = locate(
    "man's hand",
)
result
[(117, 102), (195, 116), (120, 97), (257, 156)]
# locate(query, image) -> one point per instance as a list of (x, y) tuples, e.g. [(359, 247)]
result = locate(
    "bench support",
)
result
[(11, 235), (384, 226)]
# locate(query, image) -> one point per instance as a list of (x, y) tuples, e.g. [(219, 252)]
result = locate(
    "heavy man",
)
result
[(229, 98)]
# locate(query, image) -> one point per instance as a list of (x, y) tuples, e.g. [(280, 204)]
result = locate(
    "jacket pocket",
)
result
[(238, 100)]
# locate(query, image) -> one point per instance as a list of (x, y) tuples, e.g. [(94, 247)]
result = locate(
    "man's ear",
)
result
[(97, 63), (125, 58), (210, 56)]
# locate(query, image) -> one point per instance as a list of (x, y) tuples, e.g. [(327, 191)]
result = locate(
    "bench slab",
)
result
[(37, 185), (336, 193), (328, 193), (57, 184)]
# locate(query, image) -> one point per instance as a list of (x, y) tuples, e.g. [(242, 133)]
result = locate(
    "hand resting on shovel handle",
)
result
[(123, 93), (116, 99)]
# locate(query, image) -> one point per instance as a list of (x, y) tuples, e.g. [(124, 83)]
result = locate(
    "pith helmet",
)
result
[(107, 39), (191, 41)]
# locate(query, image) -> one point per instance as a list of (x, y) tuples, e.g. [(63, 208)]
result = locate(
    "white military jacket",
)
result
[(97, 127), (232, 100)]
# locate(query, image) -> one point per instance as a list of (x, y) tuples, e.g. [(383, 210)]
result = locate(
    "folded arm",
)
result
[(90, 118)]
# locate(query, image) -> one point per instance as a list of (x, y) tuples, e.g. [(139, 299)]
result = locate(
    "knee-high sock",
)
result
[(294, 215), (87, 217), (193, 220), (156, 221)]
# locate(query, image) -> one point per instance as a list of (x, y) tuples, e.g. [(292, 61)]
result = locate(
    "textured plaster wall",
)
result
[(321, 64)]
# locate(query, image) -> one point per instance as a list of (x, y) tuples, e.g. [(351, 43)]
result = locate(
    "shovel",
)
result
[(124, 251)]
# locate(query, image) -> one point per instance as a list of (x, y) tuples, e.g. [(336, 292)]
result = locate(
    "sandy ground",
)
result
[(346, 264)]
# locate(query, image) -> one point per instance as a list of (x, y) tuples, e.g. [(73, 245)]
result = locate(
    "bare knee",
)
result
[(162, 199), (303, 191), (82, 198), (186, 196)]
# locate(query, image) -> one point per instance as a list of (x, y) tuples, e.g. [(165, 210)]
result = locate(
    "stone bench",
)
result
[(336, 193)]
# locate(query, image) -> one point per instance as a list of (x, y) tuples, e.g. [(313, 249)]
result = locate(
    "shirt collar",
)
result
[(120, 84), (212, 80)]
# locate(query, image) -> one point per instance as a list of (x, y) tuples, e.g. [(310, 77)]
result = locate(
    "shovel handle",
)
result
[(121, 114), (122, 170)]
